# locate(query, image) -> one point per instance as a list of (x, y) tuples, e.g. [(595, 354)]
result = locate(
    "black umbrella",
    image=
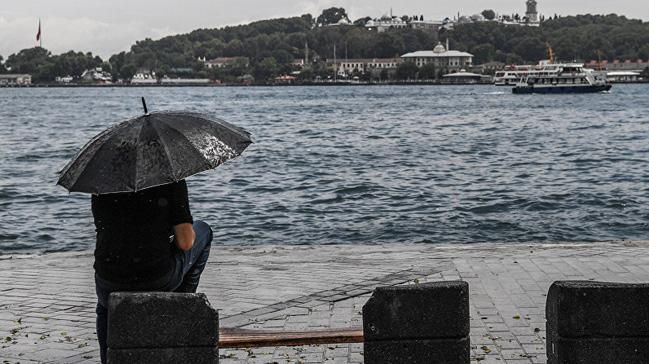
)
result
[(152, 150)]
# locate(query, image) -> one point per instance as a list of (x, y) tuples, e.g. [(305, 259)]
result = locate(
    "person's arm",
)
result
[(184, 236), (181, 218)]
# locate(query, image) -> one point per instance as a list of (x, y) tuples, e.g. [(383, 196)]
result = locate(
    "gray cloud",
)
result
[(107, 27)]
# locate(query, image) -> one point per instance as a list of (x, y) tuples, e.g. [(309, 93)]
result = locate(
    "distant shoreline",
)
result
[(47, 85), (248, 85)]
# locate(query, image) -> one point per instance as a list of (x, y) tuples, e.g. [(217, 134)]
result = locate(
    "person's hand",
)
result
[(185, 236)]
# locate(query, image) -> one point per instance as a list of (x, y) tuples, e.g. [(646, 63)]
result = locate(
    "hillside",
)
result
[(579, 38), (270, 46)]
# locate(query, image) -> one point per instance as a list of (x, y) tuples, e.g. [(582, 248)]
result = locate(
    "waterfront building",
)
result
[(298, 63), (364, 65), (386, 23), (442, 58), (623, 76), (490, 67), (96, 75), (530, 19), (620, 71), (285, 79), (144, 77), (531, 13), (617, 65), (180, 70), (464, 77), (64, 79), (184, 81), (342, 22), (430, 25), (221, 62), (15, 80)]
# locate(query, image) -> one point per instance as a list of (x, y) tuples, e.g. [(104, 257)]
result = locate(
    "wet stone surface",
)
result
[(47, 302)]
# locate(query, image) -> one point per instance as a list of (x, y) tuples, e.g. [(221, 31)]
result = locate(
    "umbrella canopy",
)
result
[(152, 150)]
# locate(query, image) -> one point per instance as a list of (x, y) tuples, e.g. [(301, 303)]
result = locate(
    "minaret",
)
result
[(531, 13)]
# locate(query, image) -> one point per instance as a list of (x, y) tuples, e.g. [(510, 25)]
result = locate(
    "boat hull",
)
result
[(561, 90)]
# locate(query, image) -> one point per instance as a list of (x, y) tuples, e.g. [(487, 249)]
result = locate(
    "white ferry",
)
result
[(513, 75), (563, 78)]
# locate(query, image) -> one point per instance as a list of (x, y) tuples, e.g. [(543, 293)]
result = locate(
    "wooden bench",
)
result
[(415, 324)]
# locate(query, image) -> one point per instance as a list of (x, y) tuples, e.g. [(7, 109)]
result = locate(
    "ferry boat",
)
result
[(563, 78), (513, 75), (551, 78)]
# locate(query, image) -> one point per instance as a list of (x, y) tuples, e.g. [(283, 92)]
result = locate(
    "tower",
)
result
[(531, 13)]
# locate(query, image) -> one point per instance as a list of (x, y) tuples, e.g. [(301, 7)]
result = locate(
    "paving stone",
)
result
[(279, 283)]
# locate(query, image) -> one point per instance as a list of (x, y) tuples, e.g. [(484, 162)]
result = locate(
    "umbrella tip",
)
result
[(146, 111)]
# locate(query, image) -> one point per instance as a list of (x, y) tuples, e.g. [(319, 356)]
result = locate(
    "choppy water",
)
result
[(355, 164)]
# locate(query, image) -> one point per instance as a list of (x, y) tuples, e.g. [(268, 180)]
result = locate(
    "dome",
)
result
[(439, 48)]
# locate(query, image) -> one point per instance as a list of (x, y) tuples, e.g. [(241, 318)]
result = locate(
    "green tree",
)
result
[(266, 69), (489, 14), (305, 75), (75, 63), (127, 71), (384, 75), (117, 61), (427, 72), (28, 60), (360, 22), (530, 49), (331, 16), (483, 53), (106, 67), (407, 70), (389, 44), (3, 69), (282, 56)]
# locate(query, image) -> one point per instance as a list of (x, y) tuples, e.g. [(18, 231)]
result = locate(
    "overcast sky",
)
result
[(107, 27)]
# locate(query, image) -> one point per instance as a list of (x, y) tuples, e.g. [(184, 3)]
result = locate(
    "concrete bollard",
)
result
[(162, 327), (417, 324), (597, 323)]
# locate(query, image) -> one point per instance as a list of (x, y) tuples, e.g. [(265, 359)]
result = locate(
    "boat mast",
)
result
[(599, 60), (550, 52)]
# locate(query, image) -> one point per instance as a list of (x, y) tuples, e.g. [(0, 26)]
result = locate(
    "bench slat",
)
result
[(245, 338)]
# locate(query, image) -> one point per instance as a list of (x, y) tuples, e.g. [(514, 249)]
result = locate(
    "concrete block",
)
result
[(417, 324), (599, 351), (419, 311), (424, 351), (597, 323), (161, 320), (588, 309), (164, 355)]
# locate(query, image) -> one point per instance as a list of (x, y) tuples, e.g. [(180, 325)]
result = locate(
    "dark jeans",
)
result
[(184, 278)]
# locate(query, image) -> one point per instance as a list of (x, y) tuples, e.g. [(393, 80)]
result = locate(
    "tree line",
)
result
[(270, 46), (573, 38)]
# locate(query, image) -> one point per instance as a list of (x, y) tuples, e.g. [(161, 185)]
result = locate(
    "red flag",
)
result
[(38, 35)]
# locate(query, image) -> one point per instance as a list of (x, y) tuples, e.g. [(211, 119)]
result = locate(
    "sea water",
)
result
[(348, 165)]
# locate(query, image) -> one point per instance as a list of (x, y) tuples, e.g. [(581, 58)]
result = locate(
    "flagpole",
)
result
[(39, 36)]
